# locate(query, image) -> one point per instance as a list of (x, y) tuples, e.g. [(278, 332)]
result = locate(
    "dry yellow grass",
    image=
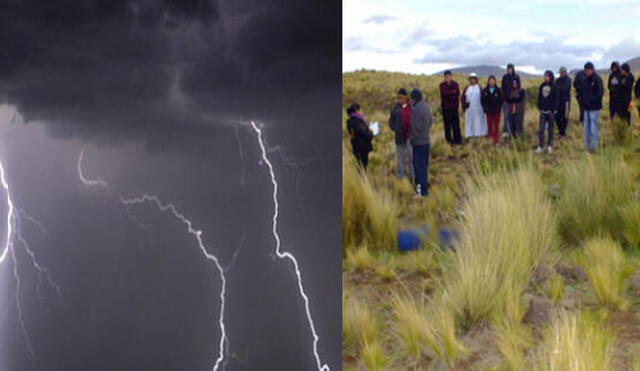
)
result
[(604, 264)]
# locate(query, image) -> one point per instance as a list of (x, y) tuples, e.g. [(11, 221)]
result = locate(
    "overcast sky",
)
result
[(429, 36)]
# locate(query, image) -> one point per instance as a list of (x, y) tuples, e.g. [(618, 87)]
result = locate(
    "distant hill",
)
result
[(484, 71)]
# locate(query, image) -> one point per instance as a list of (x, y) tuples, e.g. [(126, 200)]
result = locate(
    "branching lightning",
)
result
[(13, 233), (196, 233), (285, 254)]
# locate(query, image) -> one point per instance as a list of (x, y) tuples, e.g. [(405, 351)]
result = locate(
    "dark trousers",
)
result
[(546, 124), (622, 110), (362, 157), (516, 124), (451, 126), (562, 117), (581, 113), (421, 168)]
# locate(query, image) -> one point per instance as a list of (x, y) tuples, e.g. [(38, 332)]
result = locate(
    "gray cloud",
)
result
[(379, 19)]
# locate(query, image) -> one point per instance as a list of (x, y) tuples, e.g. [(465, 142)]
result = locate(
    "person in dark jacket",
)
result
[(614, 89), (361, 135), (578, 83), (506, 85), (399, 120), (492, 101), (625, 91), (562, 87), (515, 103), (637, 94), (591, 95), (449, 103), (547, 105), (421, 120)]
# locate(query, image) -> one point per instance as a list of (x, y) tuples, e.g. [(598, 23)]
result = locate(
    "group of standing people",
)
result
[(410, 117)]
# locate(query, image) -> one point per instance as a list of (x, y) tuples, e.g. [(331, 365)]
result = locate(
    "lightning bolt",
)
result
[(13, 233), (196, 233), (285, 254)]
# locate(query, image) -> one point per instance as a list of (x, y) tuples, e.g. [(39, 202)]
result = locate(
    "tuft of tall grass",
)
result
[(622, 133), (368, 214), (360, 258), (555, 288), (359, 325), (508, 227), (372, 355), (630, 214), (604, 264), (512, 339), (594, 188), (576, 343)]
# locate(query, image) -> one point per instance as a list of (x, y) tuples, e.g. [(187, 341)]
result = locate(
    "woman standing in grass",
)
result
[(475, 124), (361, 135), (492, 101), (515, 100)]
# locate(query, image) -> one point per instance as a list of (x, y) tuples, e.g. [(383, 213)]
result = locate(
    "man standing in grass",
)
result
[(547, 105), (578, 83), (591, 94), (563, 94), (449, 102), (507, 85), (623, 105), (421, 120), (399, 120), (614, 89)]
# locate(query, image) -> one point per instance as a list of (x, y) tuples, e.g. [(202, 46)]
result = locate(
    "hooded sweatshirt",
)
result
[(547, 98), (507, 80), (614, 81), (591, 92), (492, 100)]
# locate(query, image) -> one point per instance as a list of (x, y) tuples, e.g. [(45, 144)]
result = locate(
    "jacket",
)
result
[(625, 90), (547, 99), (507, 81), (449, 95), (614, 85), (591, 92), (399, 120), (637, 89), (515, 98), (492, 101), (421, 120), (361, 135), (562, 86), (578, 83)]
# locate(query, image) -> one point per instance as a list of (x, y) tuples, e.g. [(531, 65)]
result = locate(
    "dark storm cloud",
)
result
[(120, 68), (547, 52), (379, 19)]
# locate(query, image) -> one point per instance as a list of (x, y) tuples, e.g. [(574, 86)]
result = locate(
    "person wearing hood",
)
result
[(361, 135), (516, 104), (492, 101), (623, 106), (614, 89), (475, 123), (399, 120), (578, 84), (637, 94), (591, 95), (506, 85), (547, 105), (562, 87), (449, 102), (419, 127)]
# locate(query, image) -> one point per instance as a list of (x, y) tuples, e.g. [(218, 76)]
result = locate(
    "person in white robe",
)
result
[(475, 121)]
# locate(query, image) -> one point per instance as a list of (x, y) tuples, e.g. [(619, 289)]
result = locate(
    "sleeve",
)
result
[(600, 88), (539, 97), (364, 131), (464, 99), (483, 99), (638, 89), (392, 122), (428, 117)]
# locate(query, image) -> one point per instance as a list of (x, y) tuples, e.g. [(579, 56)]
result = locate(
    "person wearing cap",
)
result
[(625, 90), (361, 135), (547, 105), (614, 89), (419, 127), (492, 101), (399, 120), (562, 87), (591, 94), (506, 85), (515, 99), (475, 123), (449, 102)]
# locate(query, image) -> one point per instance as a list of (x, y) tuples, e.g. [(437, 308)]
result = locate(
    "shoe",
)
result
[(549, 150), (539, 150), (505, 135)]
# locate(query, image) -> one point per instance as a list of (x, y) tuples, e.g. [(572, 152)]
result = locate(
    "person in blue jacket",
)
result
[(591, 94)]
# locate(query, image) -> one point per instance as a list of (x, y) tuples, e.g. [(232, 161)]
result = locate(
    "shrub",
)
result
[(359, 325), (604, 264)]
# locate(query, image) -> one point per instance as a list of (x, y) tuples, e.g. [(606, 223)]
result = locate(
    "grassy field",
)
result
[(545, 274)]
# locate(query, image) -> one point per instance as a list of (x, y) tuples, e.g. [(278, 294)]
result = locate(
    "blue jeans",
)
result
[(505, 113), (591, 129), (421, 167), (546, 124)]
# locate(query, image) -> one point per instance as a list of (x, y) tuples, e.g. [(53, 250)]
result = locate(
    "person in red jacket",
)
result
[(449, 102)]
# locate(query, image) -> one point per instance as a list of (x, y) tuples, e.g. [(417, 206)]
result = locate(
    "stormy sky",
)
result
[(429, 36), (155, 93)]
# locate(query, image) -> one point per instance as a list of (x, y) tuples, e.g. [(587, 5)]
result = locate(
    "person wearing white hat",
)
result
[(475, 122)]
